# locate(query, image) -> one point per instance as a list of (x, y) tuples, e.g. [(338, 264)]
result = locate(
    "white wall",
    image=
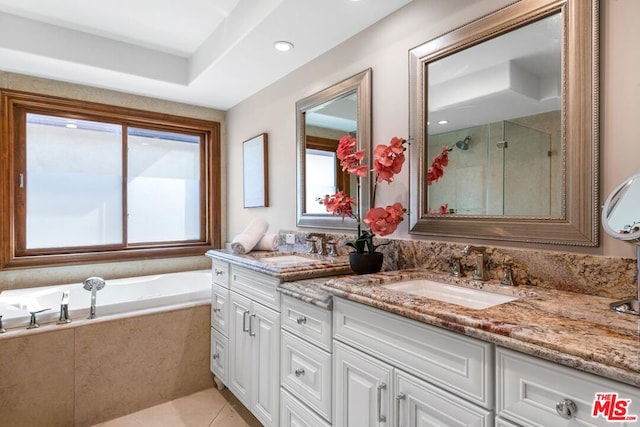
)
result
[(384, 48)]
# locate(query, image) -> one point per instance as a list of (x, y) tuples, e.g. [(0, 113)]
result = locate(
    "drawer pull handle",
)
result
[(299, 372), (219, 272), (216, 356), (399, 398), (381, 418), (566, 408), (251, 333), (301, 320), (244, 321)]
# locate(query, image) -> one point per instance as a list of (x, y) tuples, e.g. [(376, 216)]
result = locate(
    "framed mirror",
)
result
[(504, 120), (322, 119)]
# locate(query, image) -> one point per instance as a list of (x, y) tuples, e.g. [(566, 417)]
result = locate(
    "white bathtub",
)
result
[(118, 296)]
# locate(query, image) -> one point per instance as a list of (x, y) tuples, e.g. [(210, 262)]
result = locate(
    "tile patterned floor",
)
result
[(207, 408)]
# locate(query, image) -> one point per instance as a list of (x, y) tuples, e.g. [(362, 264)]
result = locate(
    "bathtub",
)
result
[(118, 296)]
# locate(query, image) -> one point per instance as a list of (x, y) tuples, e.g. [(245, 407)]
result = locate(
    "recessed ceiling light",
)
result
[(283, 46), (443, 122)]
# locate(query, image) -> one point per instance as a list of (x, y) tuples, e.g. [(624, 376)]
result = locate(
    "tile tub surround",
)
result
[(610, 277), (88, 372), (575, 330)]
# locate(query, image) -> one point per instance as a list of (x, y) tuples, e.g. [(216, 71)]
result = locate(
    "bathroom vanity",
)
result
[(353, 350)]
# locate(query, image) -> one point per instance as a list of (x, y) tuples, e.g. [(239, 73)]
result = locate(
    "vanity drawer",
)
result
[(295, 414), (256, 286), (219, 357), (457, 363), (305, 371), (307, 321), (220, 272), (220, 309), (528, 389)]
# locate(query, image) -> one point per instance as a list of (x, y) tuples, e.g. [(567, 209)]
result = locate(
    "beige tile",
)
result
[(240, 409), (131, 364), (36, 380), (228, 417)]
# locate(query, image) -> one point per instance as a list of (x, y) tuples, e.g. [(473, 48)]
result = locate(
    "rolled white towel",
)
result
[(251, 235), (269, 242)]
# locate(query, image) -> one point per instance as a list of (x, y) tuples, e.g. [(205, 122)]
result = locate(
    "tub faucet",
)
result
[(93, 284), (64, 309), (480, 272)]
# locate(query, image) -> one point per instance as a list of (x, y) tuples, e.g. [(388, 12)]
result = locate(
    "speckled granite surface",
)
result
[(575, 330), (286, 272)]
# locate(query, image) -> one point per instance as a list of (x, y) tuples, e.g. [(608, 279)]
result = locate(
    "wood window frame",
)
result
[(15, 105)]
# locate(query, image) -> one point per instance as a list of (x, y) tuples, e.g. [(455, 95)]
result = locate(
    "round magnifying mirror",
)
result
[(621, 220)]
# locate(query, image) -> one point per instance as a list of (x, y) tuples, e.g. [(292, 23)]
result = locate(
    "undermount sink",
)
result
[(466, 297), (287, 260)]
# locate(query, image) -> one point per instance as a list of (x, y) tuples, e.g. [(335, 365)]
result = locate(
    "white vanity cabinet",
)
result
[(254, 343), (528, 390), (393, 371), (306, 364), (220, 315)]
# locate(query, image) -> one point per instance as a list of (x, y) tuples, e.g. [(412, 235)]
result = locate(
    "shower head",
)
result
[(464, 144), (92, 283)]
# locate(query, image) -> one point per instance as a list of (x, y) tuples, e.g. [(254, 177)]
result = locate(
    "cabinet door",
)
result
[(362, 395), (220, 309), (219, 356), (419, 403), (240, 352), (264, 332)]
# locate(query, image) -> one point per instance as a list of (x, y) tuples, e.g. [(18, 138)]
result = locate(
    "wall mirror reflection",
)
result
[(322, 119), (504, 115)]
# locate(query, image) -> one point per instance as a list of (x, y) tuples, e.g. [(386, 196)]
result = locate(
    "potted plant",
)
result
[(388, 161)]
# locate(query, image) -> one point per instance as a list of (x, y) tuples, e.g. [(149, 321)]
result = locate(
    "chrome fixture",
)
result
[(480, 272), (2, 328), (507, 279), (566, 408), (463, 144), (33, 322), (313, 237), (93, 284), (456, 268), (64, 309)]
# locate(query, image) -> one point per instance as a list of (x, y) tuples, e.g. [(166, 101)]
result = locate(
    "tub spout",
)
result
[(93, 284)]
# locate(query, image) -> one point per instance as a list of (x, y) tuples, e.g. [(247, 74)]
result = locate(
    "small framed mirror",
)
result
[(322, 119), (255, 176), (621, 220), (504, 120)]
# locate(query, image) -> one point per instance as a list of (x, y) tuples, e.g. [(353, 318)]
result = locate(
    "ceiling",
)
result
[(213, 53)]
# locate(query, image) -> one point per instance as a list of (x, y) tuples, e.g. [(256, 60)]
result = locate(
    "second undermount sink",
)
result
[(466, 297)]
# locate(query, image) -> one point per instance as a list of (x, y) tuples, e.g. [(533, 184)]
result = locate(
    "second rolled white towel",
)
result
[(249, 238), (269, 242)]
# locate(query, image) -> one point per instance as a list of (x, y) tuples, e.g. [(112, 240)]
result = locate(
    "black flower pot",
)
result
[(366, 263)]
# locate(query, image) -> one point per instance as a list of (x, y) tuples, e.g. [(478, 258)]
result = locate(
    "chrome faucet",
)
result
[(323, 243), (64, 309), (480, 272), (93, 284)]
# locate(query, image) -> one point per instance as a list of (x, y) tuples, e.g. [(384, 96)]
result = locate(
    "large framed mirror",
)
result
[(322, 119), (504, 122)]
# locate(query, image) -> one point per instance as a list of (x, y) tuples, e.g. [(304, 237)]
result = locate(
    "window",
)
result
[(85, 182)]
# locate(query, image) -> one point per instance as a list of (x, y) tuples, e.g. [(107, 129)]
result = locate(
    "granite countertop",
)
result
[(572, 329), (286, 272), (575, 330)]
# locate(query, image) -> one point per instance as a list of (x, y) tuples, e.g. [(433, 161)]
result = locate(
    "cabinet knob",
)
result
[(215, 356), (301, 320), (299, 372), (219, 272), (566, 408), (216, 310)]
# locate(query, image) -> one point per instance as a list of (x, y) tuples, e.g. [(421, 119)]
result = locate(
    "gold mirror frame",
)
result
[(361, 85), (578, 222)]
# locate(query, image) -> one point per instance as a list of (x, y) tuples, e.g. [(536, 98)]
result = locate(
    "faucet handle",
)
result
[(333, 251), (2, 328), (507, 279), (33, 323), (314, 248), (456, 268)]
